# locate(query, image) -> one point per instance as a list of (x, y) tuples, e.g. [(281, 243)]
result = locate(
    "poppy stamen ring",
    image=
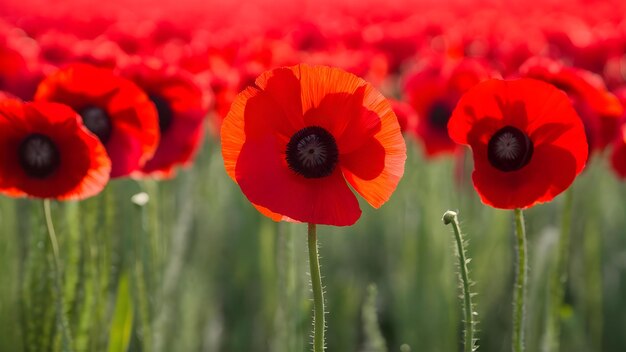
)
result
[(312, 152), (164, 110), (38, 155), (439, 115), (509, 149), (97, 121)]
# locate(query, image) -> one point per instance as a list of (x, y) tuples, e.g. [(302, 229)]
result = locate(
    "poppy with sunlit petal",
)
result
[(112, 107), (527, 141), (48, 153), (295, 140), (181, 107)]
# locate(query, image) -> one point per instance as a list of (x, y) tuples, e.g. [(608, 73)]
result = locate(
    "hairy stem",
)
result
[(450, 217), (318, 292), (521, 279)]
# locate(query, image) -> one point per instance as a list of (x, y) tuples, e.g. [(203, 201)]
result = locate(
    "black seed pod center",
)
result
[(164, 110), (509, 149), (312, 152), (439, 114), (39, 156), (97, 121)]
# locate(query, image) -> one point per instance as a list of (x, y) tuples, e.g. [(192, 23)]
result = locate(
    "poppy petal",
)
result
[(375, 169), (265, 179)]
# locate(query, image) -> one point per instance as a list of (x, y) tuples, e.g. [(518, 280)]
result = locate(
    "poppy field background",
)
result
[(188, 264)]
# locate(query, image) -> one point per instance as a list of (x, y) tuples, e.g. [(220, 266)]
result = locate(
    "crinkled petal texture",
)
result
[(133, 117), (545, 115), (84, 166), (283, 101), (187, 106)]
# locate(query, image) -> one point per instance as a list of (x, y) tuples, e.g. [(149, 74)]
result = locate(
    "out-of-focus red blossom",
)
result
[(41, 17), (57, 47), (307, 36), (598, 108), (367, 63), (20, 69), (407, 118), (181, 107), (393, 40), (618, 155), (527, 143), (112, 107), (48, 153), (100, 52), (433, 91), (615, 70)]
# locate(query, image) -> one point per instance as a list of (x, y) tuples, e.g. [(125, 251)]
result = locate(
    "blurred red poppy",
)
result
[(48, 153), (618, 156), (433, 91), (407, 118), (599, 109), (113, 108), (293, 140), (182, 108), (20, 69), (527, 142)]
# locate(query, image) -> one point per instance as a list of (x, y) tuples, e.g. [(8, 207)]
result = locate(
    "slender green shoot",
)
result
[(521, 281), (318, 292), (465, 283)]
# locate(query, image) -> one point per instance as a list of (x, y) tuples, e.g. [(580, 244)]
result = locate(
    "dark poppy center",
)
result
[(312, 152), (509, 149), (39, 156), (97, 121), (164, 110), (439, 114)]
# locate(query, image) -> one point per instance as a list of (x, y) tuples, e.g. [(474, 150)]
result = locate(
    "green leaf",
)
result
[(122, 325)]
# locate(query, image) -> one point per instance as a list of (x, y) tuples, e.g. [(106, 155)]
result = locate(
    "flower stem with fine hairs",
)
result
[(450, 217), (318, 292), (62, 322), (521, 279)]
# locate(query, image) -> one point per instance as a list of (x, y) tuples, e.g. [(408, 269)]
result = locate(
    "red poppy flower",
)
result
[(293, 140), (599, 109), (181, 107), (527, 141), (433, 92), (112, 107), (618, 156), (48, 153)]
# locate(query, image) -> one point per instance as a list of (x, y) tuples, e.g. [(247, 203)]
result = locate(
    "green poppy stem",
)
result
[(62, 323), (521, 280), (450, 217), (318, 292)]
